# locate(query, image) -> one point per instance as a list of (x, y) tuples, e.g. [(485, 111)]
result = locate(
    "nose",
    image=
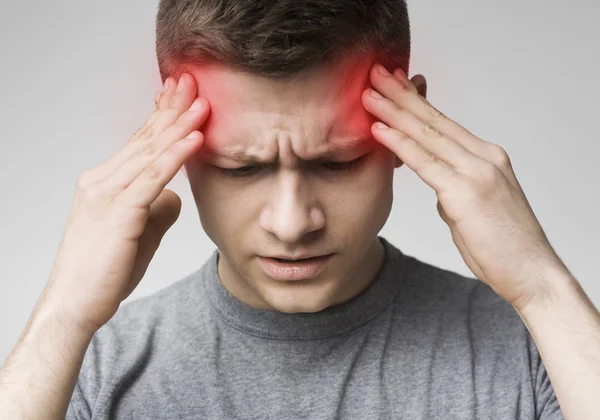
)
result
[(292, 210)]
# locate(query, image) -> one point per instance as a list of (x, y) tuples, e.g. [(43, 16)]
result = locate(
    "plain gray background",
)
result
[(79, 78)]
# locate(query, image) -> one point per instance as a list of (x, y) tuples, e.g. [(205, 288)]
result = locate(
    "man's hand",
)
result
[(122, 210), (120, 213), (497, 234), (479, 197)]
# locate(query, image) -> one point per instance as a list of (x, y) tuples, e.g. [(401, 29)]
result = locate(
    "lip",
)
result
[(295, 257), (294, 270)]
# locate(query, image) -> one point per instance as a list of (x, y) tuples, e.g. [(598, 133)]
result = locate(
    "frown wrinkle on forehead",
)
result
[(347, 150), (316, 117)]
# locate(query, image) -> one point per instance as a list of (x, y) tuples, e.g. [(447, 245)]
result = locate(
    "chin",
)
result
[(297, 307), (304, 296)]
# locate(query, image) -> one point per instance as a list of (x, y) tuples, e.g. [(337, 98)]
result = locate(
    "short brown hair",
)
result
[(280, 38)]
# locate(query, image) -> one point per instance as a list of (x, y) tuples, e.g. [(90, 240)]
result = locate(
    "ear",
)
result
[(398, 163), (421, 84)]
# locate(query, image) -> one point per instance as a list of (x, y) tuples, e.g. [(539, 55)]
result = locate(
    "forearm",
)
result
[(38, 378), (565, 326)]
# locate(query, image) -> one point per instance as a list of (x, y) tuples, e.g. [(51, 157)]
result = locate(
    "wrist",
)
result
[(554, 286), (51, 312)]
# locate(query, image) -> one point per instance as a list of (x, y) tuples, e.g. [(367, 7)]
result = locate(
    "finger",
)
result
[(152, 181), (161, 106), (174, 102), (399, 89), (434, 172), (443, 147), (164, 212), (163, 116), (155, 111), (143, 134), (146, 156)]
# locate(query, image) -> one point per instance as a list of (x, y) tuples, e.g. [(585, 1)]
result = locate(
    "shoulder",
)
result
[(463, 316), (453, 298)]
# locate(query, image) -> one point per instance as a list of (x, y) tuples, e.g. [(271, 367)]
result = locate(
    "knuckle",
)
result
[(434, 115), (152, 172), (499, 156), (147, 149), (430, 131), (84, 180), (146, 132), (488, 176), (402, 86), (430, 157)]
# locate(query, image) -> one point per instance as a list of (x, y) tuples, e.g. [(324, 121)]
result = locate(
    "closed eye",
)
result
[(247, 171), (341, 166)]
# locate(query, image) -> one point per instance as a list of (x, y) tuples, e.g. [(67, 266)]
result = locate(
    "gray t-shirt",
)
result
[(420, 343)]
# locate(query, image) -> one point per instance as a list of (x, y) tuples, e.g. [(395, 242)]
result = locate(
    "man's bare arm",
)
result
[(495, 230), (120, 213), (38, 378), (565, 326)]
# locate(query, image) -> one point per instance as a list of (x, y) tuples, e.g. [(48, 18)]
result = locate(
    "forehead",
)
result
[(320, 104), (337, 86)]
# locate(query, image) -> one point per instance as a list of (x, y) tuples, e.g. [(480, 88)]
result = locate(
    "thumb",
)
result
[(164, 212)]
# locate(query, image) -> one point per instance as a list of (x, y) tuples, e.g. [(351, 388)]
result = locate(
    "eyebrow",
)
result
[(352, 145)]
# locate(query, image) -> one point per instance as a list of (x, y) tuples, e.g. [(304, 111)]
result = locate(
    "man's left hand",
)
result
[(479, 197)]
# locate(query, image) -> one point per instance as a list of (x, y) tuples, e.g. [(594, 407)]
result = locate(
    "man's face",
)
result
[(289, 201)]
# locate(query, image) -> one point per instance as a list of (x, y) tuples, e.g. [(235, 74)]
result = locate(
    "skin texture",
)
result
[(497, 233), (121, 211), (479, 196), (289, 206)]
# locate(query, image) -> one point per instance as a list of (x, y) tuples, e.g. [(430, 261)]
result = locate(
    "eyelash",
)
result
[(248, 171)]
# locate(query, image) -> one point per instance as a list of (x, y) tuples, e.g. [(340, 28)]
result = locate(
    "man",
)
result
[(293, 132)]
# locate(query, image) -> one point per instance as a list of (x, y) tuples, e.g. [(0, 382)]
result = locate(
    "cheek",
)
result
[(208, 195), (367, 197), (379, 169), (376, 186), (376, 194), (223, 215)]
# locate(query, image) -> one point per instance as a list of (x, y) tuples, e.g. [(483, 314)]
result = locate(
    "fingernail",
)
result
[(167, 84), (181, 84), (381, 126), (399, 74), (382, 70)]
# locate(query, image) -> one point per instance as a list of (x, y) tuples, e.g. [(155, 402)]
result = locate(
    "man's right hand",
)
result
[(122, 210)]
